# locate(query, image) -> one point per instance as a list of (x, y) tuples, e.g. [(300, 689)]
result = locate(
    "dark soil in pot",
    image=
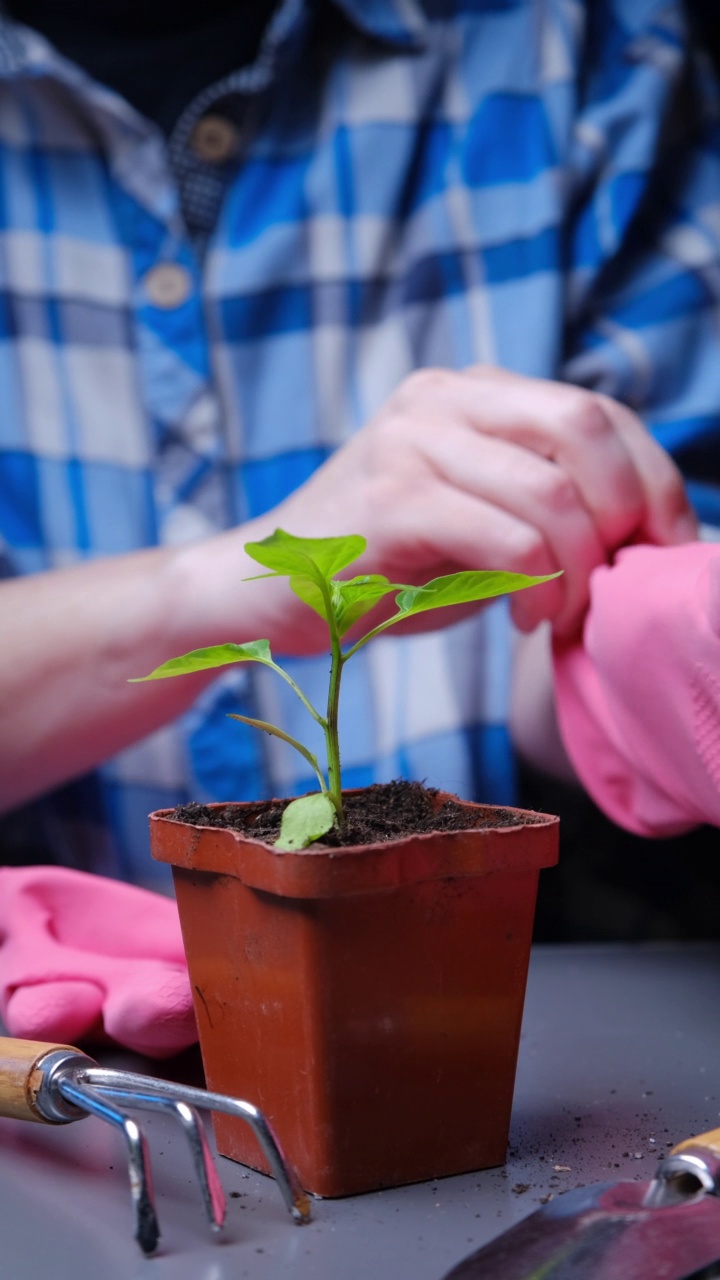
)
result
[(382, 812)]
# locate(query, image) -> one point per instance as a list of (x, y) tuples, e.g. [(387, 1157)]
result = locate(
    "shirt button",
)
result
[(168, 285), (214, 139)]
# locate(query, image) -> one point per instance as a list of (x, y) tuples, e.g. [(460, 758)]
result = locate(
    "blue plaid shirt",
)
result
[(458, 181)]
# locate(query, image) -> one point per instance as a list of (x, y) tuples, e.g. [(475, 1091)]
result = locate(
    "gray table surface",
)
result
[(619, 1060)]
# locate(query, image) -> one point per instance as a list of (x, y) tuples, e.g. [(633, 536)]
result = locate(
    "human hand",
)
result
[(488, 469), (87, 958)]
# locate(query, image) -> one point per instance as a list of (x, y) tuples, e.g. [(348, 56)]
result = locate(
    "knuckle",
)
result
[(394, 465), (586, 416), (391, 432), (671, 489), (673, 505), (424, 383), (527, 552), (558, 492)]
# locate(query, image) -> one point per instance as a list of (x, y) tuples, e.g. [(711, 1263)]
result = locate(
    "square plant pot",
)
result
[(367, 999)]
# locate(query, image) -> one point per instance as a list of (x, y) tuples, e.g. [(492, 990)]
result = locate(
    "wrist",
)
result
[(210, 600)]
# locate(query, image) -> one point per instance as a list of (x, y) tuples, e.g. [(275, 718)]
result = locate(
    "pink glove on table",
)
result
[(638, 700), (83, 957)]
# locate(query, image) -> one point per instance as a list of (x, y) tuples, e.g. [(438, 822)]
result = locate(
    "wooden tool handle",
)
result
[(710, 1140), (21, 1075)]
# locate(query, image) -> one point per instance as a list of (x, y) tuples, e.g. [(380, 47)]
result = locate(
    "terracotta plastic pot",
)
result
[(367, 999)]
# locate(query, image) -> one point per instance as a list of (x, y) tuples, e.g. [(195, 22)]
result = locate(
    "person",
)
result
[(444, 275)]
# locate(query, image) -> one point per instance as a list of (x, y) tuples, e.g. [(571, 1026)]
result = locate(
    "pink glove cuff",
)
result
[(638, 700)]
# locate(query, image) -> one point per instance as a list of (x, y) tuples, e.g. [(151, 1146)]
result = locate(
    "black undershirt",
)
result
[(158, 54)]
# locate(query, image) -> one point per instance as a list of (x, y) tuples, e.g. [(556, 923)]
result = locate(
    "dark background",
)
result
[(610, 885)]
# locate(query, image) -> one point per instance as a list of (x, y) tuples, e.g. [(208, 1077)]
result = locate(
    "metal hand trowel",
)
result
[(664, 1229)]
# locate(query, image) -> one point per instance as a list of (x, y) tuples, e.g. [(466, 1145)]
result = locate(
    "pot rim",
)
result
[(325, 871)]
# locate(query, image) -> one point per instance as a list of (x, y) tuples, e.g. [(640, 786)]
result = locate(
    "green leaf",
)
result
[(351, 600), (267, 727), (358, 596), (218, 655), (304, 821), (307, 590), (316, 558), (463, 588)]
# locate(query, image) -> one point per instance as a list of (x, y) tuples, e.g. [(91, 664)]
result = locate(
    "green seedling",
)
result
[(312, 566)]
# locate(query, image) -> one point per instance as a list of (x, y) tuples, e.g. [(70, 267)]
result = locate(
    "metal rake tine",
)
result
[(147, 1231), (295, 1198), (211, 1188), (213, 1196)]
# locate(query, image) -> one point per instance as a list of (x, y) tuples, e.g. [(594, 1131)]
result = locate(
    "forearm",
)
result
[(533, 720), (72, 638)]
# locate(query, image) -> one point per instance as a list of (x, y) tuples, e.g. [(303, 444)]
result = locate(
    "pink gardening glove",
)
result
[(639, 699), (83, 957)]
